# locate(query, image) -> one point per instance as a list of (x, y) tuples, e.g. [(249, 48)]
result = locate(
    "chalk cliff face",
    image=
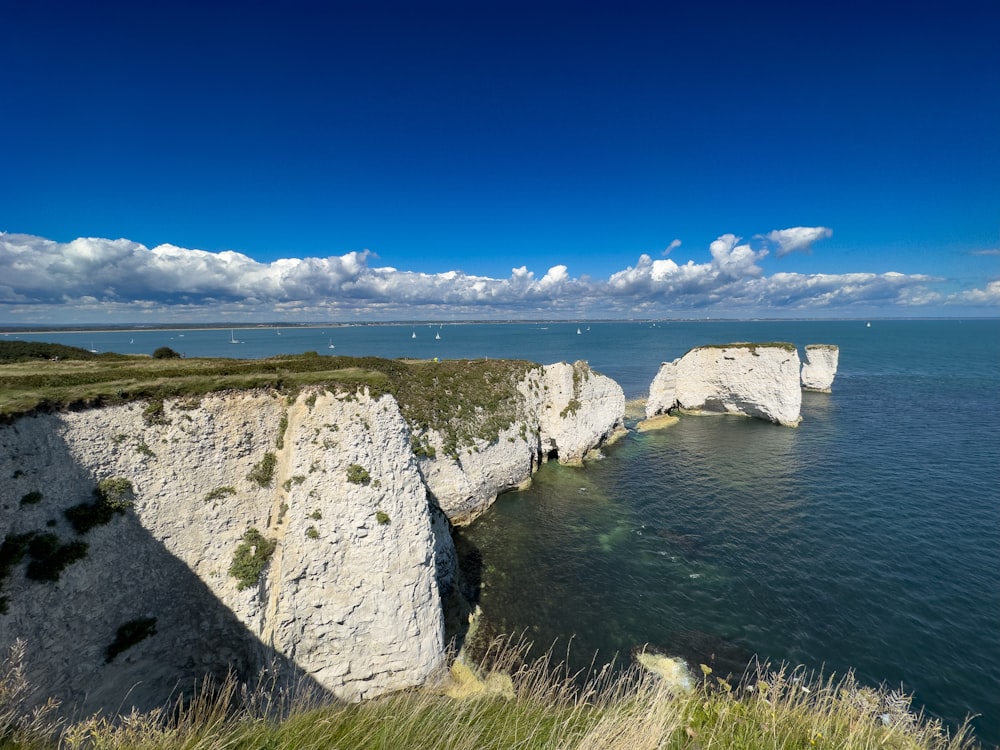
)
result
[(350, 599), (756, 380), (820, 367), (566, 409), (349, 602)]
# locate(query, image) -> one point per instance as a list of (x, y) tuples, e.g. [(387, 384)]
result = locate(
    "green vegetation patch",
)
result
[(220, 492), (111, 496), (250, 558), (129, 634), (263, 471), (154, 413), (50, 556), (382, 517), (358, 474), (31, 498)]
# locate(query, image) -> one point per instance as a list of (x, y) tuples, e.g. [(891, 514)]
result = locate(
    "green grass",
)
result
[(513, 705), (464, 400)]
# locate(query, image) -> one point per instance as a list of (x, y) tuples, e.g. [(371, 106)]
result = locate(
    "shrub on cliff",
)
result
[(165, 352), (263, 472), (129, 634), (250, 558), (358, 474), (111, 496)]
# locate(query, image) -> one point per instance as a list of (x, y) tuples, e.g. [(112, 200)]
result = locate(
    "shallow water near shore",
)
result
[(867, 538)]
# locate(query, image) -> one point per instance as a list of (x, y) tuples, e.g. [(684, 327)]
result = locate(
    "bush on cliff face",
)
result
[(165, 352), (110, 497), (358, 474), (250, 558), (49, 556), (263, 472), (129, 634)]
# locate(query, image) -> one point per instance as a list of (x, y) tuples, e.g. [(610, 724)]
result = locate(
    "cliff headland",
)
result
[(211, 516)]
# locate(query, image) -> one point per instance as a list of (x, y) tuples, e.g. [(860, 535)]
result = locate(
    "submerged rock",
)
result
[(820, 367), (674, 672)]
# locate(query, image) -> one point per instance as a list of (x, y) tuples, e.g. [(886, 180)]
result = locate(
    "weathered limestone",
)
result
[(756, 380), (350, 602), (347, 604), (567, 410), (820, 367)]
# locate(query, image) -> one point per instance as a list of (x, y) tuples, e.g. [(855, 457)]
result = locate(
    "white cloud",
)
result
[(119, 280), (796, 239), (988, 296), (674, 244)]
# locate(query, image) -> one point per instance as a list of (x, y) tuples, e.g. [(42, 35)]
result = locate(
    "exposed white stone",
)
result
[(347, 604), (663, 390), (756, 380), (580, 411), (820, 367), (352, 607), (567, 410)]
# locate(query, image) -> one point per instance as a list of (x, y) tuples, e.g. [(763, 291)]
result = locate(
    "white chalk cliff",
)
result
[(566, 410), (755, 380), (820, 367), (350, 601)]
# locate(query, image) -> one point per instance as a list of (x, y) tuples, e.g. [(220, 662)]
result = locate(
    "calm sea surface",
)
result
[(868, 538)]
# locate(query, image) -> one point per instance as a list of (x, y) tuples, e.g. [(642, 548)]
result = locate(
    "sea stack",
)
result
[(755, 380), (820, 367)]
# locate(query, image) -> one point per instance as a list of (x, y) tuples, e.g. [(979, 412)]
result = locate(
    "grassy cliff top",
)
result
[(50, 377), (753, 346)]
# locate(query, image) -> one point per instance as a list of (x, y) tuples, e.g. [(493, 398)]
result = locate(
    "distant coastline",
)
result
[(6, 330)]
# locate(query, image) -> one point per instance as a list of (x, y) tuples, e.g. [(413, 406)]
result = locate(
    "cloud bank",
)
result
[(91, 279)]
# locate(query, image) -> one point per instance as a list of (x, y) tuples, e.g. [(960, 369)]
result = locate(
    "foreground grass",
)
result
[(530, 706)]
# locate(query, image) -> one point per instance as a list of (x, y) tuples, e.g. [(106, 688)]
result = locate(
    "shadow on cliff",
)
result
[(168, 628), (462, 596)]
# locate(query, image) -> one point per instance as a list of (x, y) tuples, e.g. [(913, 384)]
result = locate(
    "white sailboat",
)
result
[(413, 335), (578, 332), (437, 336), (232, 337), (331, 346)]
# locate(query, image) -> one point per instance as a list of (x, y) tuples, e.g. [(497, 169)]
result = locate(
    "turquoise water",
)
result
[(868, 538)]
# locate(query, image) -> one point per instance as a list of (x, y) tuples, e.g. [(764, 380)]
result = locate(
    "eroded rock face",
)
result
[(756, 380), (820, 367), (350, 601), (567, 410), (347, 604)]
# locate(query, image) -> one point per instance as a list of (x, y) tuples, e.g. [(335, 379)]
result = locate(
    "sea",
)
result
[(867, 539)]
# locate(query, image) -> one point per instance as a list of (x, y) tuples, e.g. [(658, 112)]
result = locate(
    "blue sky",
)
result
[(415, 156)]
